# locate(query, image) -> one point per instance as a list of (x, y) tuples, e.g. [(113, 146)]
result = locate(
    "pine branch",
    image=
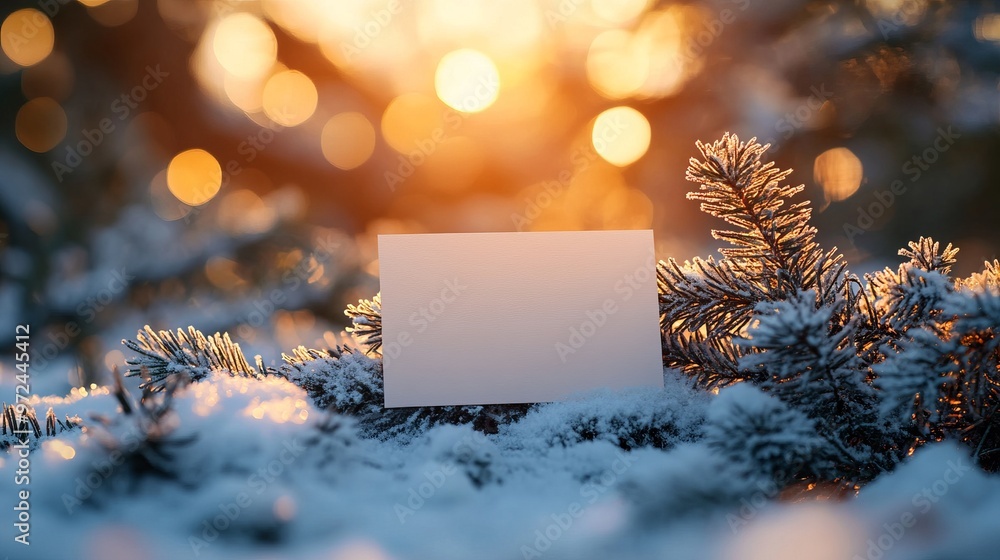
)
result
[(706, 295), (986, 281), (366, 321), (165, 353), (712, 361), (773, 240), (17, 428), (912, 295)]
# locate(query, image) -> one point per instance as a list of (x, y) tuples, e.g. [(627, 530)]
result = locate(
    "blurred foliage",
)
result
[(228, 163)]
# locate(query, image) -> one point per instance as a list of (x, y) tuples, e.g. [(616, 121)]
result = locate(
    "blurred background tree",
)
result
[(228, 164)]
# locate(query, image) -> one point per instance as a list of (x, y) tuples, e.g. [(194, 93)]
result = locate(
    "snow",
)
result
[(256, 471)]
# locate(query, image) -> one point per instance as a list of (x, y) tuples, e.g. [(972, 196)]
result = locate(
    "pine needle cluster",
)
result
[(879, 365), (857, 371)]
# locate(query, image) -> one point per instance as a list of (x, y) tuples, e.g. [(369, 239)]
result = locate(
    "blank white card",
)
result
[(491, 318)]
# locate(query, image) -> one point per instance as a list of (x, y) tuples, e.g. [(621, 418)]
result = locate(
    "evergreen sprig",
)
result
[(871, 367), (879, 365), (17, 428), (366, 322), (166, 353)]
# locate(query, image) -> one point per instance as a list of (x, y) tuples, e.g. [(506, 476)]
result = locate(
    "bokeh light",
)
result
[(289, 98), (348, 140), (619, 12), (244, 212), (411, 118), (112, 13), (467, 80), (58, 448), (987, 28), (194, 177), (621, 135), (614, 68), (245, 45), (27, 36), (40, 124), (839, 172), (164, 203)]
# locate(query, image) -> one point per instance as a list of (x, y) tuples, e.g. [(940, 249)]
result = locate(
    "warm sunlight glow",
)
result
[(40, 124), (243, 212), (290, 98), (164, 203), (895, 12), (619, 12), (285, 508), (59, 448), (27, 36), (245, 45), (359, 550), (113, 13), (510, 27), (661, 39), (467, 80), (805, 532), (614, 67), (302, 18), (348, 140), (194, 177), (287, 409), (410, 119), (245, 94), (621, 135), (839, 172), (223, 273), (987, 28)]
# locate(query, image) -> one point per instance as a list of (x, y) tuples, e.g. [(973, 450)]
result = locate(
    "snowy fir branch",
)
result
[(848, 374), (191, 353), (366, 322), (17, 428)]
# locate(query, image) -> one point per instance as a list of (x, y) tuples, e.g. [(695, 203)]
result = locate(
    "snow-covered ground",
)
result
[(249, 469)]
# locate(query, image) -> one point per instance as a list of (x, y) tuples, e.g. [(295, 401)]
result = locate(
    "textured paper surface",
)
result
[(491, 318)]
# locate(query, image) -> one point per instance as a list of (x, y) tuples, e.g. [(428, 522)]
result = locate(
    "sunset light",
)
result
[(245, 45), (289, 98), (194, 177), (467, 80), (27, 37), (453, 279), (621, 135)]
